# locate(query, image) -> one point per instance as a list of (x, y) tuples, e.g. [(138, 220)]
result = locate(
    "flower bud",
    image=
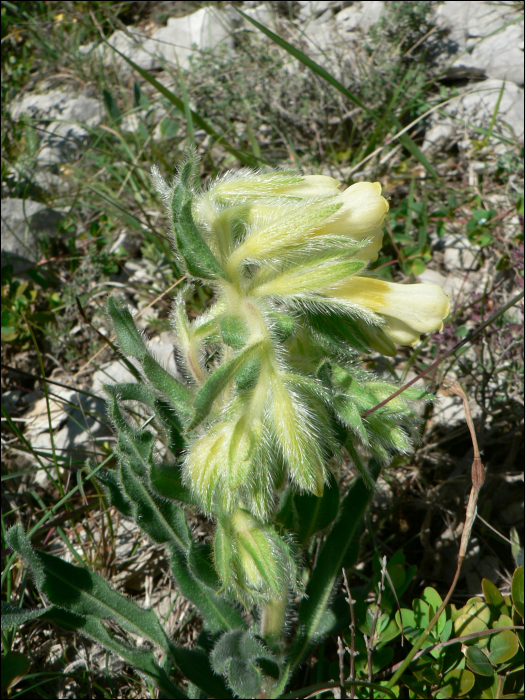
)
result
[(252, 557)]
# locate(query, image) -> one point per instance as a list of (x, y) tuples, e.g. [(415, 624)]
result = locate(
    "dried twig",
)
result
[(341, 655), (352, 650), (370, 644), (478, 478)]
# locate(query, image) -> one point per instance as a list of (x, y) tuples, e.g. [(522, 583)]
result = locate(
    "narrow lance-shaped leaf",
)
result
[(129, 338), (141, 659), (136, 450), (329, 562), (131, 391), (218, 381), (200, 562), (316, 513), (110, 480), (171, 424), (177, 394), (13, 616), (163, 520), (197, 255), (219, 613), (85, 592), (166, 480), (195, 665), (116, 416)]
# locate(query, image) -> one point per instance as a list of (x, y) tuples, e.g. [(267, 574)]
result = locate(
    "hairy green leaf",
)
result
[(176, 393), (219, 614), (129, 338), (199, 259), (216, 382), (85, 592), (13, 616), (161, 519), (141, 659), (110, 479), (166, 481)]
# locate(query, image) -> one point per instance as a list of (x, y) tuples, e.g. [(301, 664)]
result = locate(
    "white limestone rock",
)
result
[(24, 224), (66, 118), (487, 39), (360, 16), (476, 107)]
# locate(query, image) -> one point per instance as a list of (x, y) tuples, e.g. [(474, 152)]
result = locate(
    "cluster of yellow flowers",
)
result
[(274, 245), (309, 219)]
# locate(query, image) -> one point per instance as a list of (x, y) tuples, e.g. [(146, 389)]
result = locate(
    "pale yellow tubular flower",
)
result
[(363, 211), (311, 186), (407, 309), (370, 251), (282, 183)]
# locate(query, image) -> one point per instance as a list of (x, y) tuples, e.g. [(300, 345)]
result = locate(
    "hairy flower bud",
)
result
[(252, 557)]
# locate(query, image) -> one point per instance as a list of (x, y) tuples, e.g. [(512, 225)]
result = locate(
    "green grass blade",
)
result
[(244, 158), (405, 139)]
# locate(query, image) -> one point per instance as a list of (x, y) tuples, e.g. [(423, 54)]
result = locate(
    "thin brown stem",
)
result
[(341, 655), (478, 478), (352, 651)]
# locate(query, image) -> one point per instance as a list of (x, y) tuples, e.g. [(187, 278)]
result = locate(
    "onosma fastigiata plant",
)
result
[(273, 402)]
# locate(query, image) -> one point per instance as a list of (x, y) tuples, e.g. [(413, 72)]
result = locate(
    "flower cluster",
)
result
[(287, 255)]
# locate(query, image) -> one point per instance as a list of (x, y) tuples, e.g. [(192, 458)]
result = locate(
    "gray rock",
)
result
[(203, 30), (476, 107), (25, 224), (129, 43), (111, 373), (309, 8), (262, 14), (322, 42), (360, 15), (458, 252), (483, 46), (66, 118), (77, 423), (58, 104)]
